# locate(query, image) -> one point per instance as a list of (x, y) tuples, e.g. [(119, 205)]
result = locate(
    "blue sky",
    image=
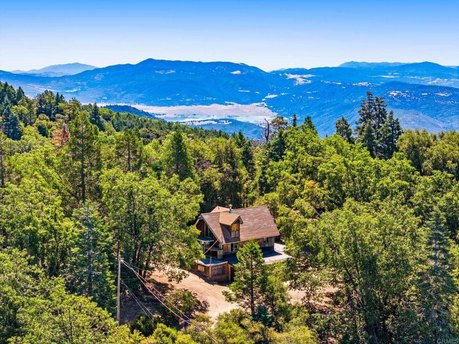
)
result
[(268, 34)]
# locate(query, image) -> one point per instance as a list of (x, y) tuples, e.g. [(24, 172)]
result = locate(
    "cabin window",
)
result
[(235, 226), (235, 234), (234, 247)]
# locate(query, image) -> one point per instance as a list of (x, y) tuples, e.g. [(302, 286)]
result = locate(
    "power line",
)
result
[(144, 309), (187, 321), (144, 281)]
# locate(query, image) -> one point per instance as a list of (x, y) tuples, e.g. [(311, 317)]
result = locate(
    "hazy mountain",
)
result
[(422, 94), (59, 69)]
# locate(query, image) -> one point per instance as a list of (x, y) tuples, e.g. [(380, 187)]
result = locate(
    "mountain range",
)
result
[(59, 70), (226, 95)]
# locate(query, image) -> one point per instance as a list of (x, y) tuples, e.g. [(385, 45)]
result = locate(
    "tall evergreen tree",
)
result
[(250, 278), (231, 182), (381, 139), (437, 287), (89, 267), (11, 126), (248, 159), (129, 150), (95, 117), (176, 158), (390, 133), (48, 104), (277, 146), (294, 120), (84, 153), (308, 124), (368, 139), (344, 130)]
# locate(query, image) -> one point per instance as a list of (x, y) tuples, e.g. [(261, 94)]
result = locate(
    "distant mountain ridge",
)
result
[(422, 95), (59, 69)]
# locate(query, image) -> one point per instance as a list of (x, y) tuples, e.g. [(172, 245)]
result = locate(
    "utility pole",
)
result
[(118, 290)]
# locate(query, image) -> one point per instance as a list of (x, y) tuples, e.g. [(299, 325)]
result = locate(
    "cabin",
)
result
[(223, 231)]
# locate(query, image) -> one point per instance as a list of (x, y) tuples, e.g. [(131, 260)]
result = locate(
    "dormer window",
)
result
[(235, 234), (236, 226)]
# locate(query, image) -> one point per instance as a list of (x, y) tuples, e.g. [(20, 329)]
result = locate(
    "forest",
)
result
[(369, 215)]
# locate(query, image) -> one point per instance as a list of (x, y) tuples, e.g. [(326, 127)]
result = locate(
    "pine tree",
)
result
[(381, 139), (390, 133), (48, 104), (368, 139), (176, 158), (277, 146), (344, 130), (294, 120), (84, 153), (11, 126), (89, 268), (96, 119), (437, 287), (248, 159), (309, 125), (231, 182), (129, 150), (250, 278), (366, 113)]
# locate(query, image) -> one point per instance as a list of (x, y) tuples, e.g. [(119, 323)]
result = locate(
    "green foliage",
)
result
[(377, 131), (372, 226), (186, 302), (344, 130), (250, 277), (83, 156), (89, 263), (176, 159)]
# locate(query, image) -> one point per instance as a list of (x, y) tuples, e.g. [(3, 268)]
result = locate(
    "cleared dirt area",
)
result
[(205, 291)]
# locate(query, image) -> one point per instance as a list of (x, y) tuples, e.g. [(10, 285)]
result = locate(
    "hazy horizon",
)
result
[(269, 34), (219, 61)]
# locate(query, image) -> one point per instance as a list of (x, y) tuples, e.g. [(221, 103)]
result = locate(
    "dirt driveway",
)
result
[(205, 290)]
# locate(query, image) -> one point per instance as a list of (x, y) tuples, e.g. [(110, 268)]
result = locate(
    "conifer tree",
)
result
[(277, 146), (11, 126), (368, 139), (250, 278), (437, 287), (294, 120), (129, 150), (390, 133), (375, 129), (95, 117), (308, 124), (89, 267), (344, 130), (247, 158), (176, 158), (84, 153)]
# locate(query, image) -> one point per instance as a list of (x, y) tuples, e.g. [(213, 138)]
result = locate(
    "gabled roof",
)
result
[(256, 223), (228, 218)]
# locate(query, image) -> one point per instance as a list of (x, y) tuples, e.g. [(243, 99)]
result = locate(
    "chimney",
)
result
[(230, 208)]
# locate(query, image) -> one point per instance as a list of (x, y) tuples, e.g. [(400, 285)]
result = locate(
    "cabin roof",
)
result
[(256, 223), (228, 218)]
